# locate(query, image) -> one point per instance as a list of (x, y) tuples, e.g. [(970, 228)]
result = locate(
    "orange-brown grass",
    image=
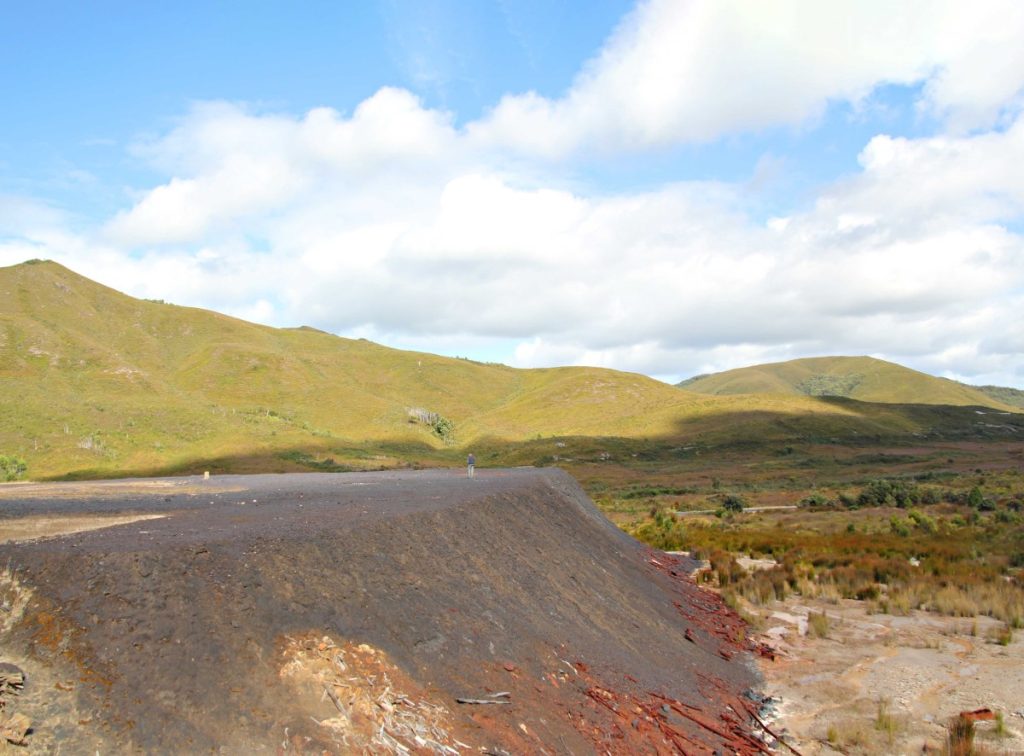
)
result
[(951, 569)]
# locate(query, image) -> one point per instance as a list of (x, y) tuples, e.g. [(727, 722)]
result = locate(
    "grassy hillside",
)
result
[(863, 378), (96, 383), (1011, 396)]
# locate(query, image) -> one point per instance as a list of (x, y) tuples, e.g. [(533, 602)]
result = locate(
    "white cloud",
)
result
[(390, 221), (907, 258), (694, 70), (240, 166)]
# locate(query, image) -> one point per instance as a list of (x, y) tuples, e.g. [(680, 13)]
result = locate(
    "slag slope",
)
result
[(349, 612)]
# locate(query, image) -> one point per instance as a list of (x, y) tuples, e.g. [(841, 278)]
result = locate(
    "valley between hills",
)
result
[(831, 507)]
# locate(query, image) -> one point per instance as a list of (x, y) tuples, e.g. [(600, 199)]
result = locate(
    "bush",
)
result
[(898, 493), (443, 427), (662, 531), (848, 501), (817, 624), (922, 521), (815, 500), (1006, 517), (11, 468), (885, 722), (899, 526), (960, 736), (975, 498), (733, 503)]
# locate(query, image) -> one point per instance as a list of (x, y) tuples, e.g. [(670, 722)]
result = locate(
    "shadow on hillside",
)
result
[(840, 421), (314, 457)]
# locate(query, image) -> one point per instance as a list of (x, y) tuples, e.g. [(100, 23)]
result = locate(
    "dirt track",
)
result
[(301, 612)]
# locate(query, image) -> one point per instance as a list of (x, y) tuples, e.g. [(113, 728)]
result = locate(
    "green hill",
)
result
[(863, 378), (1011, 396), (95, 380), (96, 383)]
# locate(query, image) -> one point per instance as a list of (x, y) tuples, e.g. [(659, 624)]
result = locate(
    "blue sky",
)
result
[(670, 187)]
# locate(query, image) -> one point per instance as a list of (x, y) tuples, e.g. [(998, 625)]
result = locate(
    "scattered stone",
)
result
[(14, 728)]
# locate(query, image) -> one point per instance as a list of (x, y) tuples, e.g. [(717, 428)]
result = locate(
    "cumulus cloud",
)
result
[(393, 222), (239, 166), (694, 70)]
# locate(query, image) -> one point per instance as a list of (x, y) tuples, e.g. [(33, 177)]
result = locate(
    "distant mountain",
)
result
[(97, 383), (1011, 396), (863, 378)]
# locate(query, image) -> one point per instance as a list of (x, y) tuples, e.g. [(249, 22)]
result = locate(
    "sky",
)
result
[(671, 187)]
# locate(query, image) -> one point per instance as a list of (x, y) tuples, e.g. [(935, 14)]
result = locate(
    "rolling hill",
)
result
[(863, 378), (94, 383)]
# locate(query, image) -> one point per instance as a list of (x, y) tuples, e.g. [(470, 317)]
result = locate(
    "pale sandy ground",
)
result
[(923, 669), (31, 528)]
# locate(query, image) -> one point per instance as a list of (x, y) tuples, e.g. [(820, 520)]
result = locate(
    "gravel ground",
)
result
[(918, 670)]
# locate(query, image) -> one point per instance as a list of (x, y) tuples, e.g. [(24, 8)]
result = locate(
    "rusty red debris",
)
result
[(705, 613), (624, 718), (642, 720), (978, 715)]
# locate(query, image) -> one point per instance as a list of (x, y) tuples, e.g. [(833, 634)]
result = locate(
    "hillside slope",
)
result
[(94, 383), (1004, 394), (103, 380), (863, 378)]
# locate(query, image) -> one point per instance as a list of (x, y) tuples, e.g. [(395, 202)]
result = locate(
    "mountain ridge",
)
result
[(863, 378), (94, 383)]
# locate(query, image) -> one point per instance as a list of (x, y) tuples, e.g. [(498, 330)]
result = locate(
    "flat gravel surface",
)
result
[(233, 507)]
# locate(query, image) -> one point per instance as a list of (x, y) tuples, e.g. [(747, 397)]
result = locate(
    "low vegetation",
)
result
[(11, 468), (954, 547), (960, 736)]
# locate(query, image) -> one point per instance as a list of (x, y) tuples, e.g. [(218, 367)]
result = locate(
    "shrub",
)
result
[(898, 526), (922, 521), (662, 531), (814, 500), (817, 624), (885, 722), (1000, 728), (1001, 635), (975, 498), (960, 736), (898, 493), (11, 468), (443, 428), (733, 503), (1006, 517)]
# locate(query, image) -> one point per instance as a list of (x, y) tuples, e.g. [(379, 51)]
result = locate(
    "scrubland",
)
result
[(889, 578)]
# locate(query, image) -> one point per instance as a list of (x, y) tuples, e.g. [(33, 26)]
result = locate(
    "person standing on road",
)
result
[(470, 464)]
